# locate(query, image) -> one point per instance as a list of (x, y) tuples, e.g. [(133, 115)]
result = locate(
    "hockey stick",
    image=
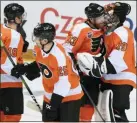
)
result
[(33, 106), (30, 92), (84, 89)]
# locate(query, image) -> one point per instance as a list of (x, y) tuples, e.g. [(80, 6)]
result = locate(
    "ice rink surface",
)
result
[(37, 89)]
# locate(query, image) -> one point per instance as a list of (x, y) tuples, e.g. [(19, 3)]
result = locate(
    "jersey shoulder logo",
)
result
[(89, 35)]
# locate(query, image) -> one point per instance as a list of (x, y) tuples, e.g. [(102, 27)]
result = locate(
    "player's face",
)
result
[(20, 19), (100, 22), (39, 42), (36, 40)]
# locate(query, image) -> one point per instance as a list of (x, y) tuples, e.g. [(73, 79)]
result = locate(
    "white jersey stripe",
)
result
[(121, 76), (117, 60), (74, 91), (122, 33), (9, 78)]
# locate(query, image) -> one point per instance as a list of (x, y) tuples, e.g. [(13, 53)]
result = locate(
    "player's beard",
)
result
[(99, 25), (99, 22)]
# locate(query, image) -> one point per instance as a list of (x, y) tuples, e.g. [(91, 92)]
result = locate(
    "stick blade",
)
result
[(32, 106)]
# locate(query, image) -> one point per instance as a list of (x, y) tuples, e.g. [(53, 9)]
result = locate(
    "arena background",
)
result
[(62, 14)]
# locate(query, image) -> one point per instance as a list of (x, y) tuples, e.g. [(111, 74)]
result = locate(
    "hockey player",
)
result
[(20, 25), (62, 96), (88, 37), (120, 76), (11, 95)]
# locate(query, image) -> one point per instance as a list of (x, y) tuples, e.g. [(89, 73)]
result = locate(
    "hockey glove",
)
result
[(31, 76), (92, 65), (18, 70), (50, 111), (31, 70)]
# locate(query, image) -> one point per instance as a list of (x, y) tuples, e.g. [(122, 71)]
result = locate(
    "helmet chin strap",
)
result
[(43, 45), (89, 22)]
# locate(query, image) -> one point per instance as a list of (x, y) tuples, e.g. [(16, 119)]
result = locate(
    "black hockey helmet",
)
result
[(121, 10), (13, 10), (94, 10), (45, 31)]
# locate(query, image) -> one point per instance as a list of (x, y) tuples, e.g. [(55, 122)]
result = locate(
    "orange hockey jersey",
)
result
[(121, 54), (59, 75), (80, 37), (14, 44)]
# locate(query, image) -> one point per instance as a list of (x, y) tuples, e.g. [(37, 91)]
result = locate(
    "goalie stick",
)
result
[(24, 82)]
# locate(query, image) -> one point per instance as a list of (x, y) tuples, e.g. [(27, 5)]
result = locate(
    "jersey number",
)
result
[(63, 71), (122, 46), (72, 40)]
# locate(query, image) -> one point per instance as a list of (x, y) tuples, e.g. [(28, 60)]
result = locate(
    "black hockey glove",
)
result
[(31, 70), (50, 111), (18, 70)]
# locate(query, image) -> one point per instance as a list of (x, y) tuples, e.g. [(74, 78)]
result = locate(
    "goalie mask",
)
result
[(116, 14)]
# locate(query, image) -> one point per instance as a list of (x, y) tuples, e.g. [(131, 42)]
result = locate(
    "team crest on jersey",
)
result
[(89, 35), (47, 73)]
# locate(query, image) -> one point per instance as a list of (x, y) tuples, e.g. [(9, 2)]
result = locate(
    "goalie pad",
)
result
[(105, 106), (92, 65)]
